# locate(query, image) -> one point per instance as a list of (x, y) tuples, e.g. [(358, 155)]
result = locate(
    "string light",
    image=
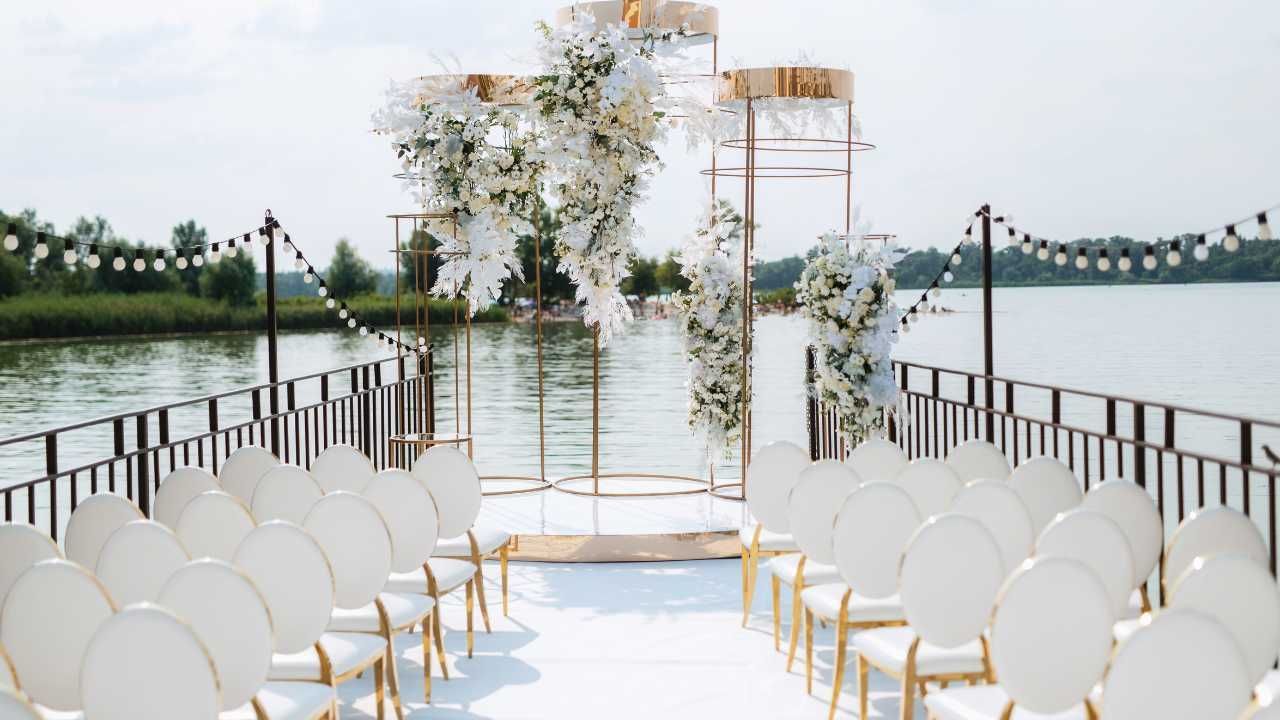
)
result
[(935, 291), (955, 259), (364, 329), (288, 244), (215, 254), (69, 254), (231, 248), (1027, 247), (1125, 263), (1231, 242), (968, 236), (1082, 259), (1149, 258), (139, 262), (1104, 262), (947, 276), (180, 259), (1013, 236), (322, 290), (1060, 258), (342, 314), (158, 263), (117, 263), (93, 260), (330, 303), (1201, 252), (1174, 258), (1043, 252), (197, 258), (298, 262), (42, 248), (11, 237), (308, 276), (1264, 228)]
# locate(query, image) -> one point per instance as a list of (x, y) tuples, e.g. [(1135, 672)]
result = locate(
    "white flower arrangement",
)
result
[(453, 163), (710, 313), (846, 294), (598, 99)]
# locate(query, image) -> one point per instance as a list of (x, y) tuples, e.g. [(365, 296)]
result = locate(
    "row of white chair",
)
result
[(334, 587)]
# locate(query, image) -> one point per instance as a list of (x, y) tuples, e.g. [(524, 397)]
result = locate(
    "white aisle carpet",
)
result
[(620, 641)]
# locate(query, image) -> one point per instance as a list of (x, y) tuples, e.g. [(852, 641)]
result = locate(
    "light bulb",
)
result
[(69, 257), (364, 329), (139, 264), (924, 306), (1060, 258), (1043, 252), (118, 262), (11, 237), (1082, 260), (288, 246), (94, 260), (180, 262), (197, 260), (1264, 229), (330, 303), (1013, 237), (351, 323), (159, 263), (905, 328), (936, 291), (322, 290), (308, 277), (955, 259), (1104, 262), (1125, 263), (298, 262), (1149, 258), (421, 341), (42, 249), (1174, 258), (968, 235), (343, 312), (1027, 246), (215, 254), (1201, 251), (1231, 242), (947, 276), (264, 238)]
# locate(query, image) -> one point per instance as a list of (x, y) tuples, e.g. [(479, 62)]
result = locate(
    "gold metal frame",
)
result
[(510, 91), (843, 628), (703, 20), (503, 552), (751, 567), (911, 679)]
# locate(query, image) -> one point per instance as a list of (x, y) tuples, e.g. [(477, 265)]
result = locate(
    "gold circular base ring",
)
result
[(798, 144), (535, 484), (776, 172), (721, 490), (702, 485)]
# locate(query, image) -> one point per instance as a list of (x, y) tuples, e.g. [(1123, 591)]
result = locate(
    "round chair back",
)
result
[(354, 537), (50, 615), (342, 467), (1097, 541), (410, 515), (1209, 531), (95, 518), (1047, 487), (177, 489), (774, 470), (1131, 508), (137, 561), (14, 706), (874, 525), (931, 483), (1051, 634), (1241, 595), (978, 460), (22, 546), (877, 460), (286, 492), (213, 525), (229, 615), (242, 470), (292, 573), (168, 671), (451, 478), (1002, 512), (813, 505), (951, 572), (1183, 664)]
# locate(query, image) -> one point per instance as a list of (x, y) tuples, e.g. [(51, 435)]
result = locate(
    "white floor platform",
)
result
[(620, 641)]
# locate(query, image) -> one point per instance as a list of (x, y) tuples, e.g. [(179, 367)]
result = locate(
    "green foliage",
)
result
[(785, 296), (13, 274), (777, 275), (349, 274), (643, 281), (232, 280), (668, 274)]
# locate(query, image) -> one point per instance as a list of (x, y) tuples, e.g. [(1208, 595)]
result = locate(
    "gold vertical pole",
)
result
[(537, 304), (595, 410), (848, 183), (470, 443), (749, 218)]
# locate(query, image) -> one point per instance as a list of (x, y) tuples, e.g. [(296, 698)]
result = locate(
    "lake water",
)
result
[(1210, 346)]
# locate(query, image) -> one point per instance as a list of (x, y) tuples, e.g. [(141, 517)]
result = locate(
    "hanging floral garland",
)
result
[(452, 163), (710, 314), (598, 98), (847, 295)]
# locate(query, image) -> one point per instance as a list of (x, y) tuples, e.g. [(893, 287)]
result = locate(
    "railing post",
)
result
[(273, 359), (366, 412), (51, 469), (988, 353), (811, 404), (213, 435), (144, 473), (1139, 441)]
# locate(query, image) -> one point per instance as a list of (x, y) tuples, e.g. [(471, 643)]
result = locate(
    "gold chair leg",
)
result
[(439, 640), (426, 660), (471, 634), (745, 553), (909, 691), (842, 649), (863, 671), (378, 681), (753, 567), (393, 680), (484, 607), (503, 556), (776, 588), (795, 625), (808, 652)]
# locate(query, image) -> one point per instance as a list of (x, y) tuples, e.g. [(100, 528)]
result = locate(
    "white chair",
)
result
[(22, 546), (1097, 541), (1050, 640), (877, 460), (1002, 512), (1047, 487), (342, 467), (177, 489), (230, 616), (978, 460), (1183, 665), (8, 676), (872, 528), (49, 616), (951, 572), (931, 483), (214, 524), (451, 478), (1209, 531), (95, 518), (410, 514), (292, 572), (138, 559), (243, 468), (1131, 507), (144, 663), (811, 510), (355, 538), (773, 471), (285, 492), (13, 706)]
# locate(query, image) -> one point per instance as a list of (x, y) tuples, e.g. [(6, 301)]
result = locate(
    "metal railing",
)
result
[(1185, 457), (130, 453)]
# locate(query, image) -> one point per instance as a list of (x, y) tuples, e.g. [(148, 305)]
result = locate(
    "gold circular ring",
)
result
[(703, 485), (539, 484)]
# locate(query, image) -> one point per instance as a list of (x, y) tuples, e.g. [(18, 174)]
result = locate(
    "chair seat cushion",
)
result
[(347, 651), (403, 610), (1268, 689), (286, 701), (769, 540), (984, 702), (487, 541), (1124, 628), (824, 601), (1134, 608), (887, 649), (784, 567), (49, 714), (449, 575)]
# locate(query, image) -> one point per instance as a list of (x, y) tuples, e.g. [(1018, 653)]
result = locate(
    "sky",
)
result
[(1079, 118)]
